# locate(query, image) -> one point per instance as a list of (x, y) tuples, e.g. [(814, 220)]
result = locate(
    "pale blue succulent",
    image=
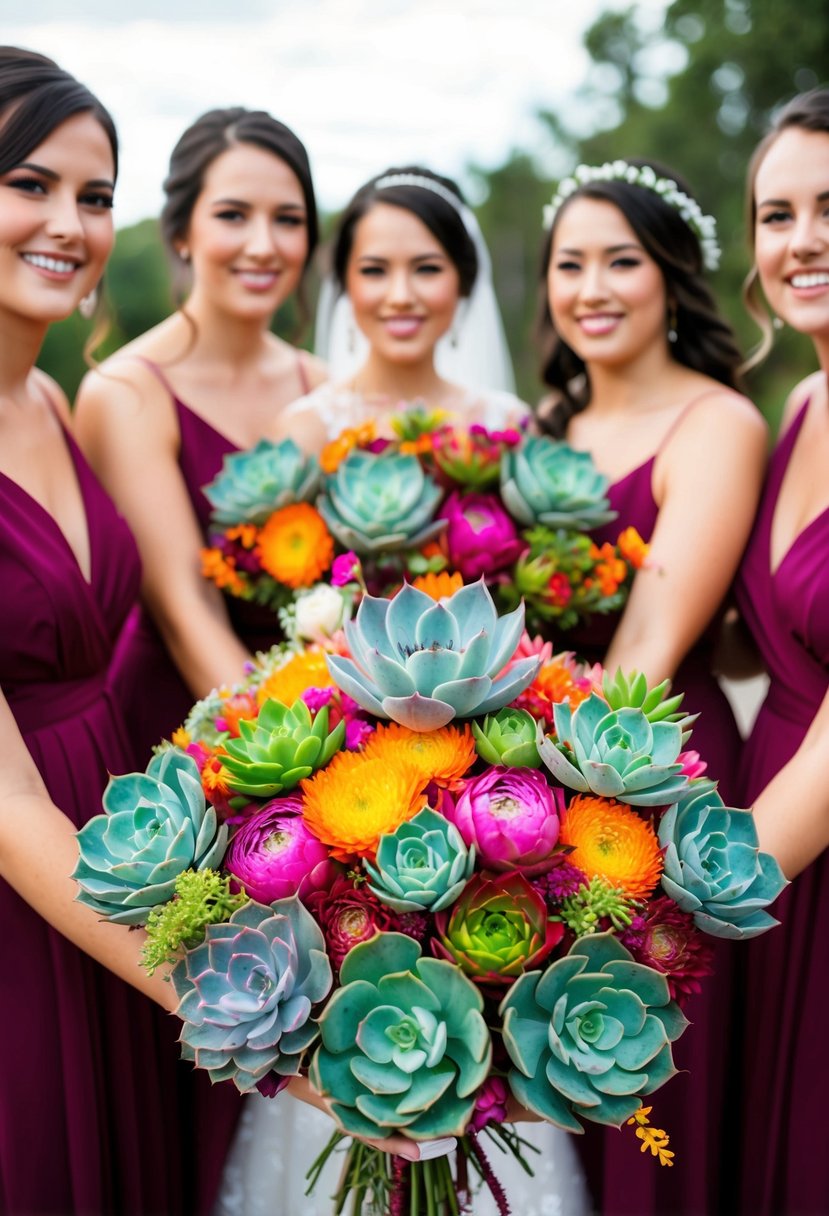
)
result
[(423, 866), (546, 481), (255, 483), (614, 753), (423, 663), (247, 993), (713, 867), (157, 825), (591, 1035), (381, 502)]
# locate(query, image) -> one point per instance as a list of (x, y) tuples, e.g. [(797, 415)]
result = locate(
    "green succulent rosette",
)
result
[(403, 1043), (423, 663), (508, 737), (614, 753), (713, 867), (632, 692), (255, 483), (423, 866), (156, 825), (275, 751), (590, 1036), (247, 993), (546, 481), (380, 503)]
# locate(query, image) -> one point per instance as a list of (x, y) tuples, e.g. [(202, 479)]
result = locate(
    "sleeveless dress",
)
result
[(89, 1070), (779, 1028)]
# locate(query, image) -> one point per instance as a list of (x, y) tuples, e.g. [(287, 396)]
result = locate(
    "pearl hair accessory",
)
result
[(703, 226), (424, 183)]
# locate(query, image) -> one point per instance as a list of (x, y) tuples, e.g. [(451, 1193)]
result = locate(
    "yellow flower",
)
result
[(295, 547), (653, 1138), (181, 738), (442, 756), (357, 799), (439, 586), (611, 841), (305, 670)]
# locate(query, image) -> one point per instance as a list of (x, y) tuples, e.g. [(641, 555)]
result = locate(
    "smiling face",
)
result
[(56, 228), (791, 232), (606, 294), (248, 234), (404, 287)]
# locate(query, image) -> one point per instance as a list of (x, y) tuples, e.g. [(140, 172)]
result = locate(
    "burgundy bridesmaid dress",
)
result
[(781, 1021), (90, 1081)]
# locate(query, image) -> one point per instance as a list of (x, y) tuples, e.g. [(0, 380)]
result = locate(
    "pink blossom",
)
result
[(274, 854), (480, 537), (490, 1103), (345, 569), (512, 816)]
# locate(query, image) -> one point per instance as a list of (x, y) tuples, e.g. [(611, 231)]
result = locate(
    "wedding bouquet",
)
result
[(432, 866)]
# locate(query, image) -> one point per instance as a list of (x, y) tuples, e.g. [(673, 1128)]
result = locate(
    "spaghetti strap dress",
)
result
[(779, 1025), (89, 1073)]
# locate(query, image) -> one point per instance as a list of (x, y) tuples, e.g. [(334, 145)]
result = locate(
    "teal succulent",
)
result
[(381, 502), (423, 663), (421, 867), (591, 1035), (614, 753), (546, 481), (275, 751), (508, 737), (255, 483), (404, 1045), (157, 825), (247, 993), (631, 692), (713, 867)]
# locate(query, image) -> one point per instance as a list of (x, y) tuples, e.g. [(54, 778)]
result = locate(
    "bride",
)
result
[(409, 317)]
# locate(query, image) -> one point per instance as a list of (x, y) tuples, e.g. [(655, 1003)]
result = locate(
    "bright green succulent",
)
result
[(255, 483), (423, 866), (275, 751), (157, 824), (247, 992), (546, 481), (381, 502), (423, 663), (632, 692), (614, 753), (591, 1035), (404, 1045), (508, 737), (713, 867)]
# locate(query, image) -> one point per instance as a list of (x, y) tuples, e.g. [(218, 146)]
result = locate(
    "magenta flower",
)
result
[(348, 913), (274, 855), (490, 1103), (481, 538), (512, 816), (666, 939), (346, 569)]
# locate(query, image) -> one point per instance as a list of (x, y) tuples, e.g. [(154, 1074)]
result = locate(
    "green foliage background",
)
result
[(734, 62)]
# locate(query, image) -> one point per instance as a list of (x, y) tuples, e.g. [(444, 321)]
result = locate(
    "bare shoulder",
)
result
[(724, 415), (125, 389), (52, 390)]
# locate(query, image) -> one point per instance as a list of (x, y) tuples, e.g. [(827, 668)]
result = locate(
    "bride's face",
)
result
[(404, 287)]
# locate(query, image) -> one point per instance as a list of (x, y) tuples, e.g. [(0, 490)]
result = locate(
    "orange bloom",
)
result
[(442, 756), (611, 841), (611, 571), (356, 799), (181, 738), (632, 547), (221, 571), (440, 585), (335, 452), (295, 547), (556, 682), (244, 533), (215, 779), (417, 447), (307, 669), (243, 705)]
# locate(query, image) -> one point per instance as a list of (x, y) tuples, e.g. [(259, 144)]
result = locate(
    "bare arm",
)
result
[(707, 483), (125, 423)]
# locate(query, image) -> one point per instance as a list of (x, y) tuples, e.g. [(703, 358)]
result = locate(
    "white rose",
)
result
[(319, 611)]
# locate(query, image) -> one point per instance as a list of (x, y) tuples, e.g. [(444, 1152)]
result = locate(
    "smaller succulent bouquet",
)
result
[(436, 869)]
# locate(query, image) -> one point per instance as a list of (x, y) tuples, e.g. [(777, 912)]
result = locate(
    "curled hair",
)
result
[(36, 96), (705, 341), (443, 220), (807, 112)]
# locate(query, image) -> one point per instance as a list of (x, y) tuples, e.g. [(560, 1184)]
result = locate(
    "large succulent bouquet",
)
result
[(434, 870), (439, 504)]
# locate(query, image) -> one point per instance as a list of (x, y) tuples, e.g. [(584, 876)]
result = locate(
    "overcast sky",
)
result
[(365, 83)]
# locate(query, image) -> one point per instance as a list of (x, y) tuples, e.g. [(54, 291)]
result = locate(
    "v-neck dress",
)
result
[(781, 1023)]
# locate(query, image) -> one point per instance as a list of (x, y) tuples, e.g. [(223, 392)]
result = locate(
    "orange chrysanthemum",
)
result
[(442, 756), (295, 547), (439, 586), (632, 547), (357, 799), (216, 567), (305, 670), (611, 841), (242, 705), (215, 779), (335, 452), (555, 682)]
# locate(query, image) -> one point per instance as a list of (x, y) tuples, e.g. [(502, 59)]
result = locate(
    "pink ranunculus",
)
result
[(512, 816), (490, 1103), (480, 536), (274, 855)]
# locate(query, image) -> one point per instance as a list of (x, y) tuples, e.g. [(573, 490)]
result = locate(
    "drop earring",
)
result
[(776, 323), (672, 334), (88, 304)]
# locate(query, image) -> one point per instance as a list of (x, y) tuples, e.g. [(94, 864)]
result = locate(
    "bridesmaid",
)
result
[(644, 376), (156, 419), (88, 1068), (783, 594)]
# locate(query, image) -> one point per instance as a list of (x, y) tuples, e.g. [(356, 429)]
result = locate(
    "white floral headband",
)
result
[(703, 226)]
